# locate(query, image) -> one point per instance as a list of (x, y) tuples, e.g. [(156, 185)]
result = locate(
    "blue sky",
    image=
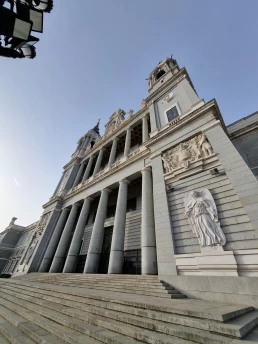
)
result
[(92, 59)]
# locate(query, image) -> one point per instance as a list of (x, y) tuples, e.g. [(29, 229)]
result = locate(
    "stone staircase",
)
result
[(137, 284), (61, 308)]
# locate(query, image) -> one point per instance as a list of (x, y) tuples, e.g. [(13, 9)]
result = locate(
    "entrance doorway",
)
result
[(105, 252)]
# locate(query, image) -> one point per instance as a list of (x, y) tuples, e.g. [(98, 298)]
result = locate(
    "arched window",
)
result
[(92, 144), (159, 74)]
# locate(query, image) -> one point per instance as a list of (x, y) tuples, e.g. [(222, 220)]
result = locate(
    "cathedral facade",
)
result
[(168, 191)]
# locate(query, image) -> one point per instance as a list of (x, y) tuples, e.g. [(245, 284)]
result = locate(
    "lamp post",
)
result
[(17, 23)]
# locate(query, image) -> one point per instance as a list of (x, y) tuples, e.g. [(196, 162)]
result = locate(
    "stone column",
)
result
[(53, 243), (145, 130), (97, 235), (79, 174), (88, 168), (127, 142), (148, 239), (98, 162), (64, 241), (74, 249), (113, 152), (116, 261)]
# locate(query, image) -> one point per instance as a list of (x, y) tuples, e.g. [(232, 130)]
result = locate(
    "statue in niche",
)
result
[(186, 152), (202, 214)]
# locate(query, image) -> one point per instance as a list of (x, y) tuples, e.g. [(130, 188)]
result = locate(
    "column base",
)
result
[(70, 264), (56, 265), (116, 262), (149, 261), (92, 263)]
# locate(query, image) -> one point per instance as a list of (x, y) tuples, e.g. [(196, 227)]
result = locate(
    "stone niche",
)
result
[(188, 158)]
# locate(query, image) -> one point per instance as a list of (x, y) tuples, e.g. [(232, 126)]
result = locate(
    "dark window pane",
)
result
[(131, 204), (172, 113), (111, 210)]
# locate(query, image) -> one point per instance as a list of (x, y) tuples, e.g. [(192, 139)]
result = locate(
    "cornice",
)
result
[(182, 120), (243, 131), (117, 166)]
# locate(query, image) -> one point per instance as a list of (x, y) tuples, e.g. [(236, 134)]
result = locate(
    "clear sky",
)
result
[(92, 59)]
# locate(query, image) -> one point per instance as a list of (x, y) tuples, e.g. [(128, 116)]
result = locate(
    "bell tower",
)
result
[(164, 71)]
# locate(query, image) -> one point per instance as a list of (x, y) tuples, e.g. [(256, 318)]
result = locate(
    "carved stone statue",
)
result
[(205, 145), (143, 103), (130, 113), (202, 214), (186, 152), (12, 221)]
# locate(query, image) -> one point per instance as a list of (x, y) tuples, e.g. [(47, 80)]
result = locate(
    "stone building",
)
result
[(169, 190)]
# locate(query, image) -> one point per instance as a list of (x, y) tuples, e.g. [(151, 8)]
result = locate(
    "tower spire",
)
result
[(96, 128)]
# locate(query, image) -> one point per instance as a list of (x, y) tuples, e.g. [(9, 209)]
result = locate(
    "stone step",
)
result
[(3, 340), (175, 330), (90, 276), (86, 323), (12, 334), (160, 291), (165, 293), (236, 328), (73, 332), (93, 285), (189, 308), (34, 332), (100, 282)]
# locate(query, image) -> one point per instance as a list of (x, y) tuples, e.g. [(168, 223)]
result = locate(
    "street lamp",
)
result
[(17, 23)]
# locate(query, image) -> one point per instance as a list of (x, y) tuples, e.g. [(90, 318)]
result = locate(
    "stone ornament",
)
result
[(186, 152), (143, 103), (115, 121), (30, 251), (202, 214), (167, 97), (43, 221)]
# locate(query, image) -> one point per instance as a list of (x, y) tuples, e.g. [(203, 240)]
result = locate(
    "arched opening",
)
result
[(92, 144), (160, 73)]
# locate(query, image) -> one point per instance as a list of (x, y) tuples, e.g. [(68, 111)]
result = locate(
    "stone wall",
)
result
[(234, 221)]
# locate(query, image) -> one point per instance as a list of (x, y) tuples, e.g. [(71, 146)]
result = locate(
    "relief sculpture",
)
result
[(202, 214), (30, 250), (186, 152)]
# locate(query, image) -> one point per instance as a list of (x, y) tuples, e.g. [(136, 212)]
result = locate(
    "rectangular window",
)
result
[(172, 113), (131, 204)]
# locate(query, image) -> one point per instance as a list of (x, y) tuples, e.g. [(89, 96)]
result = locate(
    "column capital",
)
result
[(65, 209), (146, 168), (106, 189), (89, 198), (131, 129), (124, 181)]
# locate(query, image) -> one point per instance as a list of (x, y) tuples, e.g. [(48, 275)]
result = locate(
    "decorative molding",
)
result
[(186, 152), (184, 119), (167, 97)]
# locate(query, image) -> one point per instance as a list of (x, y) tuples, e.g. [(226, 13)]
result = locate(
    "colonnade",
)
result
[(56, 258), (86, 166)]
